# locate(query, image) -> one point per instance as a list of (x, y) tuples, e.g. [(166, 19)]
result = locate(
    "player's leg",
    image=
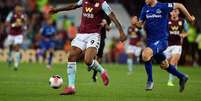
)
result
[(172, 70), (17, 55), (8, 44), (89, 60), (173, 61), (130, 63), (77, 46), (51, 47), (99, 57), (71, 70), (93, 43), (147, 54), (50, 57)]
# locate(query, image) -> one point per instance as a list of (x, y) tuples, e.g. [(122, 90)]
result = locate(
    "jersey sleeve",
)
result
[(167, 7), (142, 15), (106, 8), (9, 17), (185, 26), (79, 3)]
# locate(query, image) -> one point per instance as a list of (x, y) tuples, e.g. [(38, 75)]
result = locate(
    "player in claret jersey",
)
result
[(134, 43), (16, 22), (88, 38), (178, 29), (154, 15)]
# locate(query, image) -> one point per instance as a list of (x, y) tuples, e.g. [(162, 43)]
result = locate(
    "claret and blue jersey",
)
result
[(156, 25)]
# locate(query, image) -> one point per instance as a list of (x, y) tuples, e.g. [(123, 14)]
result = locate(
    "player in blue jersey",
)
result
[(47, 44), (154, 16)]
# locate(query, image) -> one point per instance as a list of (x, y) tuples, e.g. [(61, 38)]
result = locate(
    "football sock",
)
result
[(171, 78), (17, 59), (171, 69), (50, 58), (10, 54), (96, 66), (148, 68), (130, 64), (71, 70)]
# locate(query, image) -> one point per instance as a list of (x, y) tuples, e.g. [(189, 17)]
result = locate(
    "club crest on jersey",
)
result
[(158, 11), (88, 9), (97, 5)]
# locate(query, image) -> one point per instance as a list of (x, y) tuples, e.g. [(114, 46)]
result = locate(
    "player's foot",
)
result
[(94, 77), (171, 84), (149, 86), (129, 73), (15, 69), (105, 78), (9, 61), (49, 67), (182, 83), (68, 91)]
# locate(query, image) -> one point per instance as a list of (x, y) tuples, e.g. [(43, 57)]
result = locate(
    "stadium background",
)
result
[(67, 24)]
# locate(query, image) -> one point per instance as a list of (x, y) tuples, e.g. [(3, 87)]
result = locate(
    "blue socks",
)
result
[(171, 69), (148, 68), (50, 58)]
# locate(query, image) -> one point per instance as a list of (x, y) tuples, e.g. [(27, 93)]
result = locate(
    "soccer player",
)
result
[(47, 43), (178, 29), (88, 38), (16, 22), (134, 44), (105, 27), (154, 15)]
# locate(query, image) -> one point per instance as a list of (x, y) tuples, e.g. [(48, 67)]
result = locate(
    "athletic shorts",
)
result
[(86, 40), (47, 44), (158, 46), (134, 50), (174, 49), (13, 40)]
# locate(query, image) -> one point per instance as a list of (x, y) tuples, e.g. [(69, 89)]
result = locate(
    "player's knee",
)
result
[(88, 61), (72, 58), (164, 64), (174, 61), (147, 54)]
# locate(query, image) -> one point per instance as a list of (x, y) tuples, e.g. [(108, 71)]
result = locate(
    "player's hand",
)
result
[(52, 11), (103, 23), (192, 19), (123, 37)]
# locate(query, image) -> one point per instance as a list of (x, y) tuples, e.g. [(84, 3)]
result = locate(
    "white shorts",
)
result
[(84, 41), (175, 49), (134, 50), (13, 40)]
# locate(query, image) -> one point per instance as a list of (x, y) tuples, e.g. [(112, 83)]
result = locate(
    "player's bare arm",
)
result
[(119, 27), (66, 8), (184, 11)]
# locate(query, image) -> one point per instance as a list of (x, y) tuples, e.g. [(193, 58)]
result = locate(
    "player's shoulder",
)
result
[(166, 4)]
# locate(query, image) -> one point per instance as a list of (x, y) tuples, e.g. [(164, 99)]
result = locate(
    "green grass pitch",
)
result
[(30, 83)]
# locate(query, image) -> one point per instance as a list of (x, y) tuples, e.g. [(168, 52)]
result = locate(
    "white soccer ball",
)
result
[(55, 81)]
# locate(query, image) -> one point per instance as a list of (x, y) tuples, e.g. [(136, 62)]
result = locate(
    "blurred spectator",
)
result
[(72, 30), (198, 40)]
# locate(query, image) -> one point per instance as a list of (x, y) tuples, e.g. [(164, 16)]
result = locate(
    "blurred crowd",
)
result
[(38, 17)]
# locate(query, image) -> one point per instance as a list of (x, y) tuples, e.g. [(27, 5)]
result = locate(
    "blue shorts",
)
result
[(47, 44), (158, 47)]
